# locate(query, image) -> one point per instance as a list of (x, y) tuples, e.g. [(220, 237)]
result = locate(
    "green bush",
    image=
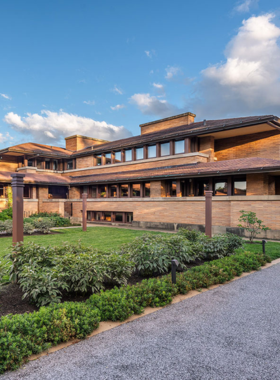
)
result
[(43, 272), (43, 225), (6, 214), (27, 334), (57, 219), (152, 254), (28, 228), (191, 235)]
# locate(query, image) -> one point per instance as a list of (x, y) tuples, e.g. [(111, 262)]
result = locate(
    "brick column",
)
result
[(187, 145), (84, 196), (208, 213), (172, 148), (17, 187), (178, 188)]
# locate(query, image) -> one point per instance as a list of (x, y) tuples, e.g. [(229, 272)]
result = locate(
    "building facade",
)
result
[(157, 179)]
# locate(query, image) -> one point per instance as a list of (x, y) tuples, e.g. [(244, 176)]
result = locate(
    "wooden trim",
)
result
[(187, 145)]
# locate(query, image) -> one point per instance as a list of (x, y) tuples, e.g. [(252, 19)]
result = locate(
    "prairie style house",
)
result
[(157, 179)]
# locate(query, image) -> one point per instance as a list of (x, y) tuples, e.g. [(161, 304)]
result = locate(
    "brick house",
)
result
[(157, 179)]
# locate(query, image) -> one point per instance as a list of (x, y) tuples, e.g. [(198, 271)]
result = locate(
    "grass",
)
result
[(271, 248), (105, 238)]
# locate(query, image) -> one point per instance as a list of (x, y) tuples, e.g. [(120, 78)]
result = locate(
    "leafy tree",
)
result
[(251, 224)]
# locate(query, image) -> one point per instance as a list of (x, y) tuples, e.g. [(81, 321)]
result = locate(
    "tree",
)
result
[(251, 224)]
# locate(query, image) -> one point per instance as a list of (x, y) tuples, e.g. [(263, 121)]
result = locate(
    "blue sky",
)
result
[(101, 68)]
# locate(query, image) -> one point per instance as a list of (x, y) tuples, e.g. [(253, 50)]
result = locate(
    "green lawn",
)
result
[(271, 248), (104, 238)]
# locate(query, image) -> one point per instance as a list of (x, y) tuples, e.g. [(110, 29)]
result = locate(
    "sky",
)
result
[(101, 68)]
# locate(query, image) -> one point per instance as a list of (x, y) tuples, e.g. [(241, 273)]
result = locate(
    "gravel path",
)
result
[(231, 332)]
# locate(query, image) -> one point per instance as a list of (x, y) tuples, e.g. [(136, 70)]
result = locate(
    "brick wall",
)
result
[(172, 122), (52, 205), (225, 212), (74, 193), (260, 184), (84, 162), (156, 189), (206, 145), (139, 166), (80, 142), (30, 206), (264, 144)]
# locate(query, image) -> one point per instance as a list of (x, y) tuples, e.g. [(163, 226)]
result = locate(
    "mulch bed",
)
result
[(11, 301)]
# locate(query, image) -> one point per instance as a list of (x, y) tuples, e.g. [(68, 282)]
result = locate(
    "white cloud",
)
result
[(245, 5), (5, 138), (51, 127), (6, 96), (159, 88), (172, 71), (150, 53), (117, 90), (249, 81), (151, 105), (118, 107), (89, 102)]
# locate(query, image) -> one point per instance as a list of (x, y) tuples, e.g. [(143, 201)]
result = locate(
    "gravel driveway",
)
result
[(231, 332)]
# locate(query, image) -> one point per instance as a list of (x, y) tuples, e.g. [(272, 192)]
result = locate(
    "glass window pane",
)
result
[(102, 191), (107, 216), (124, 190), (118, 157), (165, 149), (179, 146), (108, 158), (55, 165), (136, 190), (119, 217), (47, 164), (128, 155), (98, 160), (70, 165), (93, 191), (139, 153), (173, 192), (113, 191), (147, 190), (221, 188), (30, 163), (152, 151), (239, 187)]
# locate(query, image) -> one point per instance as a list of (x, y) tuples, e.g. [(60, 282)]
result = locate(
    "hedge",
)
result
[(27, 334)]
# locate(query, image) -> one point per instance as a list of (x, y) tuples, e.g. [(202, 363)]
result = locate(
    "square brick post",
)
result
[(208, 213), (84, 196), (17, 186)]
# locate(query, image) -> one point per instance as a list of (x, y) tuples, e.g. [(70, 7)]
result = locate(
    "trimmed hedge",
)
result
[(27, 334)]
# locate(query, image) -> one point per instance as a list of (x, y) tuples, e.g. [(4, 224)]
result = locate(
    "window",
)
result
[(179, 146), (221, 188), (70, 165), (26, 191), (129, 217), (85, 189), (124, 190), (58, 192), (103, 191), (107, 216), (93, 191), (165, 149), (30, 163), (98, 160), (147, 189), (55, 165), (128, 155), (118, 157), (119, 217), (2, 191), (108, 158), (113, 191), (152, 151), (47, 164), (173, 187), (239, 187), (203, 185), (136, 189), (139, 153)]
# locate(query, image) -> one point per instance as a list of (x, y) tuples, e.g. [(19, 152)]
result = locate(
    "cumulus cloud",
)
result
[(51, 127), (89, 102), (245, 6), (249, 80), (117, 90), (160, 89), (151, 105), (171, 72), (150, 53), (5, 138), (118, 107), (5, 96)]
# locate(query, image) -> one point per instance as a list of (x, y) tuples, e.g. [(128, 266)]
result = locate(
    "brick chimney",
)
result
[(169, 122), (78, 142)]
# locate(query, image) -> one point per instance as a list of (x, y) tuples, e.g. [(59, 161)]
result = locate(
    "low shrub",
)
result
[(57, 219), (152, 254), (191, 235), (27, 334), (44, 225), (28, 228), (6, 214), (6, 226)]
